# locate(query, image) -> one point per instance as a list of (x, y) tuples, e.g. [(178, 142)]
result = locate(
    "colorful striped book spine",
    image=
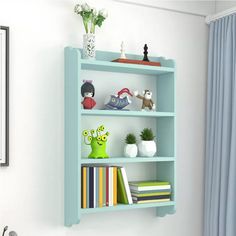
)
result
[(84, 191), (114, 185), (100, 174)]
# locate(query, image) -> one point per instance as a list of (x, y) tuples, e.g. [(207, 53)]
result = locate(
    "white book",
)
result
[(149, 188), (127, 189), (110, 186)]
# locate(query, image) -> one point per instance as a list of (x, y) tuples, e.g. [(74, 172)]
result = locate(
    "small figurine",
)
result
[(118, 102), (122, 50), (88, 91), (147, 99), (145, 58), (97, 142)]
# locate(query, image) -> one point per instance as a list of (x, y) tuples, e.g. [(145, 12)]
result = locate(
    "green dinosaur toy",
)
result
[(97, 142)]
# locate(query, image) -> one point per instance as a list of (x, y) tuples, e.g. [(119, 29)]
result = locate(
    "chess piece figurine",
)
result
[(145, 58), (87, 92), (122, 50), (12, 233), (4, 230)]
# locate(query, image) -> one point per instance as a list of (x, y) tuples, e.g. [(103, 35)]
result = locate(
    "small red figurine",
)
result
[(87, 92)]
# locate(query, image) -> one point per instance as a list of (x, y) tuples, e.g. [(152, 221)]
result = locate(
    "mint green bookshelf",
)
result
[(165, 119)]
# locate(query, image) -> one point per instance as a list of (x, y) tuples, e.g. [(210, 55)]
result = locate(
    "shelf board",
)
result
[(115, 160), (124, 68), (126, 207), (126, 113)]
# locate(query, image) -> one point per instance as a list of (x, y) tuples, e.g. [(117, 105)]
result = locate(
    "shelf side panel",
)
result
[(72, 145), (166, 172)]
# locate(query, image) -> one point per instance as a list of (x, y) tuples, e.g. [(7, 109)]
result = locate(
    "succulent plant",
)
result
[(130, 139), (147, 135)]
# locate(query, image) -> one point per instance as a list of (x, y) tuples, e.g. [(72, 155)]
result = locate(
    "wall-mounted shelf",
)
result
[(113, 160), (126, 113), (165, 161), (126, 207)]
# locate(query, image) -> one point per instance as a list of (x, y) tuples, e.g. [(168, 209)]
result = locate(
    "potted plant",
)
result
[(91, 18), (130, 149), (147, 146)]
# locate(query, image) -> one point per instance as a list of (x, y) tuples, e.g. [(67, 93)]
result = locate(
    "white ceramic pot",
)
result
[(89, 48), (147, 148), (131, 150)]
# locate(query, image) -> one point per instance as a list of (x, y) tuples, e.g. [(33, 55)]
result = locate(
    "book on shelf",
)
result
[(151, 201), (150, 197), (123, 190), (149, 185), (98, 186), (105, 186), (141, 194), (150, 191)]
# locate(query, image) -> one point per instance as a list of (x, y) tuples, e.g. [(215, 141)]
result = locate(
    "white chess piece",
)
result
[(122, 50)]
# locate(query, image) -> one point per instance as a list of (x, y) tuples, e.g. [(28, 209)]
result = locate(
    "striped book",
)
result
[(149, 185)]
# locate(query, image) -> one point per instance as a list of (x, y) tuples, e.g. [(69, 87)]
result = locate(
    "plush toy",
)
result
[(119, 101), (147, 99), (97, 142), (87, 92)]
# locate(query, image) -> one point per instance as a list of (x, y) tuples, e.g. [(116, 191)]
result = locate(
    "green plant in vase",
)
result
[(130, 149), (147, 146), (97, 140), (91, 18)]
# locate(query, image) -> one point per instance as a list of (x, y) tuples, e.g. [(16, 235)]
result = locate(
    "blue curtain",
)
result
[(220, 165)]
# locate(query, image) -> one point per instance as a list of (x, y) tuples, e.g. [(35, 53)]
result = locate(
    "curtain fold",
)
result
[(220, 162)]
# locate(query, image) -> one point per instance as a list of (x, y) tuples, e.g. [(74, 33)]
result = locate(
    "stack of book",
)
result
[(150, 191), (99, 186)]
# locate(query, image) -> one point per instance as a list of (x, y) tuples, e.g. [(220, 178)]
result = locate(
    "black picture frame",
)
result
[(5, 160)]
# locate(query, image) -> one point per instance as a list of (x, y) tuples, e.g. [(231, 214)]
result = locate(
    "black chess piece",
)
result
[(145, 58), (4, 230)]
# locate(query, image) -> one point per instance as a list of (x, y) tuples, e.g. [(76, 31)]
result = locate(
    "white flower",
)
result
[(94, 10), (103, 13), (78, 8), (86, 7)]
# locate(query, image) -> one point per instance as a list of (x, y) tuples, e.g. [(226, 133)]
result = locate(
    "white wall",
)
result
[(224, 5), (31, 197)]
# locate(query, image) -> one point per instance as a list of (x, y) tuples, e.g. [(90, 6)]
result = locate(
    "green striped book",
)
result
[(149, 185)]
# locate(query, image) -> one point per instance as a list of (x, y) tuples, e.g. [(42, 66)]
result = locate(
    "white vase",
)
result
[(130, 150), (147, 148), (89, 49)]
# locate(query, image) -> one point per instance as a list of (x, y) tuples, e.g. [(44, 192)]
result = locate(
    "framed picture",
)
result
[(4, 96)]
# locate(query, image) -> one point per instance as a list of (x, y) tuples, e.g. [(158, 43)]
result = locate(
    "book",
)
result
[(104, 186), (151, 191), (114, 185), (126, 183), (110, 186), (94, 187), (100, 201), (84, 190), (107, 186), (121, 193), (151, 197), (91, 187), (149, 185), (152, 201), (87, 187), (140, 194)]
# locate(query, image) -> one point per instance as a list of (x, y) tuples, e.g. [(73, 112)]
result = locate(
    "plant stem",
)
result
[(85, 26)]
